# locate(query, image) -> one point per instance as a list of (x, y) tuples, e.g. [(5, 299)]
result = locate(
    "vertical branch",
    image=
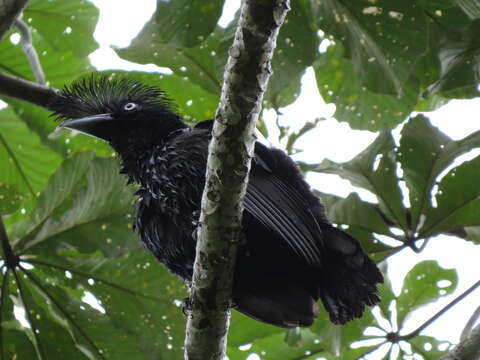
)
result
[(245, 81)]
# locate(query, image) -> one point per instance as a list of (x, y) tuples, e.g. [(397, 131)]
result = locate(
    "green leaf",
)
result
[(296, 49), (25, 162), (244, 330), (14, 343), (185, 22), (197, 64), (458, 200), (273, 347), (459, 55), (473, 233), (374, 169), (424, 284), (48, 333), (65, 25), (92, 212), (424, 153), (387, 297), (337, 339), (427, 347), (355, 212), (355, 103), (10, 199), (59, 66), (366, 29), (140, 317)]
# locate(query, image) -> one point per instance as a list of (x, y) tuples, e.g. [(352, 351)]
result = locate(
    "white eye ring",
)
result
[(130, 106)]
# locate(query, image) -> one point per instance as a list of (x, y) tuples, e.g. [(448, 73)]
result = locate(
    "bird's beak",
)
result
[(99, 126)]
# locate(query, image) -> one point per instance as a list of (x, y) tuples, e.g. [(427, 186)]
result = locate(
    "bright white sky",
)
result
[(120, 21)]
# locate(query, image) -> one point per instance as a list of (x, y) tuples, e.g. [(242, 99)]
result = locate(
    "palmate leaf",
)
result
[(458, 201), (363, 221), (86, 205), (374, 169), (424, 153), (425, 283)]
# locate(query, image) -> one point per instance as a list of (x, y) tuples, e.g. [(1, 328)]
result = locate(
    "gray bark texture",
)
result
[(9, 11), (231, 149), (469, 346)]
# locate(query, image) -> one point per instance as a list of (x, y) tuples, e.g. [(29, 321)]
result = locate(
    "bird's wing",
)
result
[(280, 200), (278, 197)]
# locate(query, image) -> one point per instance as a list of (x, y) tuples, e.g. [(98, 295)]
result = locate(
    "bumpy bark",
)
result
[(245, 81)]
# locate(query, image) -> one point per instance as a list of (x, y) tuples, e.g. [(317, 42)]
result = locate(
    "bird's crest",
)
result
[(102, 94)]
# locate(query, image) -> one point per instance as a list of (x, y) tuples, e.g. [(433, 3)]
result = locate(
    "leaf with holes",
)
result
[(65, 25), (458, 201), (59, 66), (424, 153), (355, 103), (197, 64), (428, 347), (185, 22), (425, 283)]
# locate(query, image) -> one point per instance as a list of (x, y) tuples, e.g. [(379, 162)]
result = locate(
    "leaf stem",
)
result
[(89, 276), (438, 314), (11, 259), (59, 306), (28, 314), (2, 304)]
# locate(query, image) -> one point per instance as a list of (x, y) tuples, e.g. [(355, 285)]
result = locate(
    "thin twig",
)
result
[(30, 51), (2, 304), (11, 259), (440, 313)]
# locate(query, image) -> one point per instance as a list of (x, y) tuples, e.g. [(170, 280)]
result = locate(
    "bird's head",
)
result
[(123, 112)]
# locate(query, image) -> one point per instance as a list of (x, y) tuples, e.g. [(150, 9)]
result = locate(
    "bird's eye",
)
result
[(130, 106)]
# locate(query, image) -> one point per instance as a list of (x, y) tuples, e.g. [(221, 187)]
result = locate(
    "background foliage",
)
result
[(86, 287)]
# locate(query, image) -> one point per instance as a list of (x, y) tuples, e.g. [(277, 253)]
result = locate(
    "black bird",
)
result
[(292, 256)]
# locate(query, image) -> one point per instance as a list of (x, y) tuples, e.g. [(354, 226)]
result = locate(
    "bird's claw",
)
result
[(186, 306)]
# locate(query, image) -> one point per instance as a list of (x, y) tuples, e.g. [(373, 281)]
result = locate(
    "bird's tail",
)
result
[(349, 277), (278, 301)]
